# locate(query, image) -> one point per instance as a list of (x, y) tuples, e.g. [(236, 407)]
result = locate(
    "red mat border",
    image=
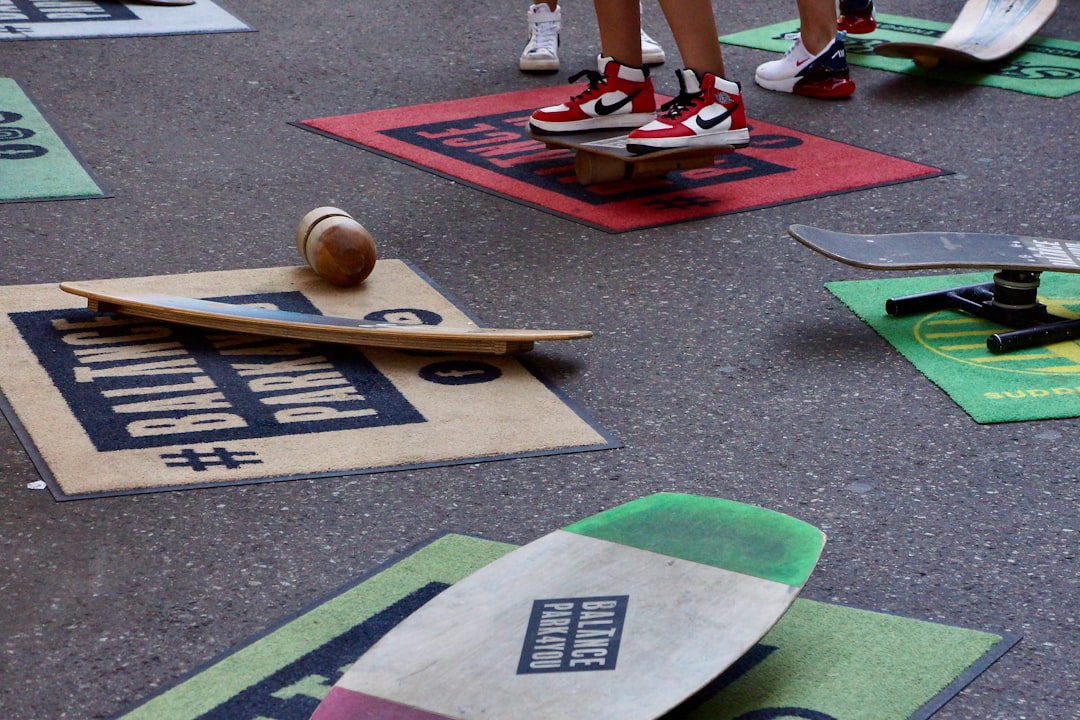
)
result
[(781, 165)]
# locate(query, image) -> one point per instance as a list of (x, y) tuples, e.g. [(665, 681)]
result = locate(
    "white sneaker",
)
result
[(651, 52), (542, 52), (824, 75)]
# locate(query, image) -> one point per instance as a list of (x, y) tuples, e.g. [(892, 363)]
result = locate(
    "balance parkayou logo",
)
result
[(573, 635)]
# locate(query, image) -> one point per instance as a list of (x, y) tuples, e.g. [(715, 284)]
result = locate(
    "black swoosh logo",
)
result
[(710, 124), (602, 109)]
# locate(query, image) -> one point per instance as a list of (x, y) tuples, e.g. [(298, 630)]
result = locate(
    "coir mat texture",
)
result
[(821, 661), (59, 19), (482, 142), (949, 347), (1044, 66), (110, 405), (35, 162)]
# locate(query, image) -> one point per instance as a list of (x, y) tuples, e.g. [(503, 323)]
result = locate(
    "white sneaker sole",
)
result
[(786, 85), (628, 121), (653, 57), (729, 138), (532, 64)]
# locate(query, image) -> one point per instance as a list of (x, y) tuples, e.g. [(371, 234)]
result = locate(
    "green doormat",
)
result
[(1046, 67), (35, 164), (822, 661), (949, 347)]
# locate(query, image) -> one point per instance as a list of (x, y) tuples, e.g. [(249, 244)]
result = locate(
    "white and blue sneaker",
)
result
[(824, 75)]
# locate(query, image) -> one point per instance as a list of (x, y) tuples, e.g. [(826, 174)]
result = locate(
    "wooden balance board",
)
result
[(985, 31), (317, 328), (620, 616), (601, 156)]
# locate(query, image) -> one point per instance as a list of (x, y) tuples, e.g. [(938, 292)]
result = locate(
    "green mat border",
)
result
[(387, 587), (75, 157), (860, 51)]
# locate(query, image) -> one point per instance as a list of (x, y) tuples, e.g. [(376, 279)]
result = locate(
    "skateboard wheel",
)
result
[(339, 249)]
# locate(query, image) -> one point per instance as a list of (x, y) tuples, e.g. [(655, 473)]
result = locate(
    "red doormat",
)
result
[(482, 142)]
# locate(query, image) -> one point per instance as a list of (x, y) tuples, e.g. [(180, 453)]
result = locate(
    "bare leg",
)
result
[(817, 24), (620, 30), (694, 26)]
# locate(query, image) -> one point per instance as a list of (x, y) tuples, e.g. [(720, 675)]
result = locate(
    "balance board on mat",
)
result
[(622, 615), (985, 31)]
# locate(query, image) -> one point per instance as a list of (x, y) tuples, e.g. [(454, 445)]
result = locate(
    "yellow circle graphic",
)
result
[(962, 338)]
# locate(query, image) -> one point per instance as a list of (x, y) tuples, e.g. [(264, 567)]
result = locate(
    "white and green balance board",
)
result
[(622, 615)]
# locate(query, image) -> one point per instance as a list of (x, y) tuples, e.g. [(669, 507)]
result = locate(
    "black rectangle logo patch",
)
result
[(164, 385), (573, 634)]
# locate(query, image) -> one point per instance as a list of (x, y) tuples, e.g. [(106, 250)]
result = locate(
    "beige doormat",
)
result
[(108, 405)]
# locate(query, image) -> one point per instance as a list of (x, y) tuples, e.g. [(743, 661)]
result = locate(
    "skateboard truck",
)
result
[(1009, 300)]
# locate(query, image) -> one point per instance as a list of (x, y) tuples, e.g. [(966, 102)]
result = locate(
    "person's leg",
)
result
[(694, 26), (708, 111), (620, 30), (621, 94), (817, 24)]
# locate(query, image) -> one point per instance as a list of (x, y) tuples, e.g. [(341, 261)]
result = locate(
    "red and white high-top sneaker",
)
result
[(708, 112), (617, 97)]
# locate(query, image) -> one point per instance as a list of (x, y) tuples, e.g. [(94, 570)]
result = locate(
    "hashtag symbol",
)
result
[(216, 457)]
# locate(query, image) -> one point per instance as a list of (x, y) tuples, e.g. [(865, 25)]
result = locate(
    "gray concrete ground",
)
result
[(720, 361)]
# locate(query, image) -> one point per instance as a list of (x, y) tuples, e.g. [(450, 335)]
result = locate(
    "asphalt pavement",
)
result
[(720, 361)]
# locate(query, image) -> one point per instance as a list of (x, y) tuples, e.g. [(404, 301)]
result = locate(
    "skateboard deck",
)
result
[(601, 156), (317, 328), (985, 31), (939, 250), (1011, 299), (620, 616)]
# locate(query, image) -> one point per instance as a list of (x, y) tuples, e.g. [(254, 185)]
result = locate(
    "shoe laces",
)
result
[(545, 34), (682, 102), (595, 81), (679, 104)]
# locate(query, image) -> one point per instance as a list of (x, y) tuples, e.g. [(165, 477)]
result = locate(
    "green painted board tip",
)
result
[(713, 531)]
